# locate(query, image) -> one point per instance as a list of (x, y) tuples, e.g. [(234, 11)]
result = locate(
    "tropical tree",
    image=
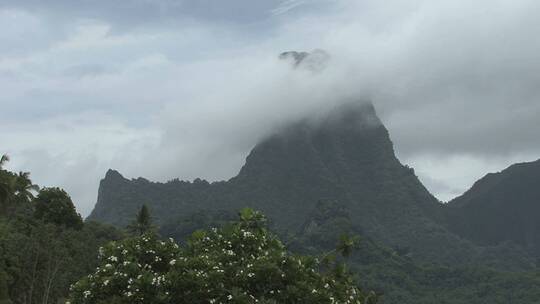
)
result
[(4, 293), (239, 263), (4, 159), (5, 189), (142, 223), (15, 189), (6, 184), (53, 205), (24, 188), (40, 253)]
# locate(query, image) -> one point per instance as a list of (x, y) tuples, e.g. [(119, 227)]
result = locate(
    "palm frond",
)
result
[(24, 175), (4, 159)]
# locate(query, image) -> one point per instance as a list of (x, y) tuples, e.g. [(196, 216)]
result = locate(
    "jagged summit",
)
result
[(315, 60), (320, 139), (316, 145), (347, 144), (344, 156), (113, 174)]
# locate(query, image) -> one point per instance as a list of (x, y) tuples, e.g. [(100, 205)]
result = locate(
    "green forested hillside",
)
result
[(501, 207), (46, 247), (390, 272), (400, 279)]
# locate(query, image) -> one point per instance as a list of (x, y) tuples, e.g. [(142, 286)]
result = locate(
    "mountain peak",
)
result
[(113, 175), (345, 135), (315, 60), (344, 155)]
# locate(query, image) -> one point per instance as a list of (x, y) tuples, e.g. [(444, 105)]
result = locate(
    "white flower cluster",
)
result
[(221, 265), (127, 268)]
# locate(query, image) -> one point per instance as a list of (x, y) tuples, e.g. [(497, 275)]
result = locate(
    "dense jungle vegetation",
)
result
[(50, 255)]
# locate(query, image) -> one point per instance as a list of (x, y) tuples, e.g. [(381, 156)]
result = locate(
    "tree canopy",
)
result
[(53, 205), (44, 245), (239, 263), (142, 223)]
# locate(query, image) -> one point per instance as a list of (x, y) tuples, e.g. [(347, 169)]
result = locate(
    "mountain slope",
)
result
[(344, 156), (501, 207), (400, 279)]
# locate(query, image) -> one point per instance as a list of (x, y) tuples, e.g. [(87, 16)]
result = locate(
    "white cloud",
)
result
[(454, 81), (286, 6), (450, 175)]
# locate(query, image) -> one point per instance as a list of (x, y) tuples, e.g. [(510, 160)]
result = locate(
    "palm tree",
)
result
[(5, 183), (23, 186), (4, 159), (14, 188)]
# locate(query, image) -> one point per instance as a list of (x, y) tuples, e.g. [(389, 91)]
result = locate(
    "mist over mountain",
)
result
[(278, 151), (344, 156), (314, 61)]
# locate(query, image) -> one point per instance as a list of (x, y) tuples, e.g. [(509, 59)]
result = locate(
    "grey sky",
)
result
[(166, 89)]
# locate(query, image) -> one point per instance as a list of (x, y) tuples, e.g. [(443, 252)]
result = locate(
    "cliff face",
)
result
[(346, 155)]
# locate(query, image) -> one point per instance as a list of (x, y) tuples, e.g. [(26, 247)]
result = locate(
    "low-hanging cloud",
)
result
[(456, 83)]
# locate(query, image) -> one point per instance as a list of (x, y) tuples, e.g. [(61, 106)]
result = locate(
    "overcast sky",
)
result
[(184, 88)]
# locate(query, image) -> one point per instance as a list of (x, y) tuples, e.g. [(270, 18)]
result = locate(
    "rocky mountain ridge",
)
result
[(345, 157)]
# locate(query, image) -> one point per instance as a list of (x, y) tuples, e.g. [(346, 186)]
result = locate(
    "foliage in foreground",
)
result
[(239, 263), (44, 244), (402, 280)]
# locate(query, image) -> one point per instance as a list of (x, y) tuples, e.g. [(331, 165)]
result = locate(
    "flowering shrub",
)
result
[(239, 263), (131, 271)]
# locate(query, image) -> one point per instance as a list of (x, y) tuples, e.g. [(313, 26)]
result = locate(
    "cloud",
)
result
[(287, 6), (126, 14), (166, 89)]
